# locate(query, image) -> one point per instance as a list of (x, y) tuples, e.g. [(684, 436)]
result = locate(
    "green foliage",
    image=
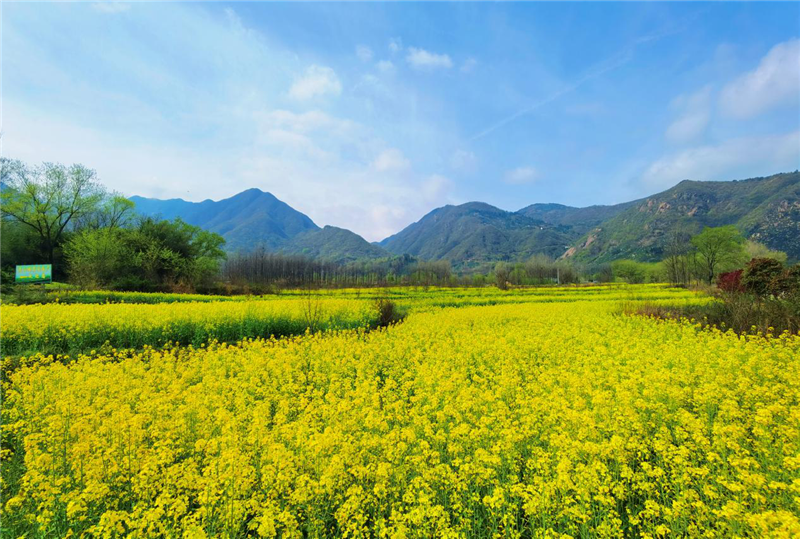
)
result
[(154, 254), (501, 275), (754, 249), (719, 249), (765, 277), (48, 199), (760, 275), (634, 272)]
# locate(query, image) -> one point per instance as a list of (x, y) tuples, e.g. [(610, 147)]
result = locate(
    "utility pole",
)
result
[(558, 275)]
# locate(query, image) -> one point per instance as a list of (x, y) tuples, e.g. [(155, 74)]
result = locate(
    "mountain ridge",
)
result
[(476, 234)]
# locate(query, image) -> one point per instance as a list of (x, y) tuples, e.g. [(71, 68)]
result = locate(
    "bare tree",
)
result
[(677, 259)]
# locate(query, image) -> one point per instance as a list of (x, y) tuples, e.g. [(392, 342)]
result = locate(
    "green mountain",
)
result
[(256, 219), (334, 244), (764, 209), (578, 219), (247, 220), (472, 234), (475, 235)]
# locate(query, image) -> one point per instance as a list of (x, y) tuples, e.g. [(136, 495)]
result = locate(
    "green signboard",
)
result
[(38, 273)]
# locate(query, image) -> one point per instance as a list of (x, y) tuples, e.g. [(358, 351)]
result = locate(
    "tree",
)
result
[(98, 257), (501, 275), (678, 259), (718, 248), (759, 250), (630, 271), (115, 211), (150, 254), (761, 275), (48, 198)]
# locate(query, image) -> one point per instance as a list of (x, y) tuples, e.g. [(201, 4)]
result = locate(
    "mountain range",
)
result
[(475, 234)]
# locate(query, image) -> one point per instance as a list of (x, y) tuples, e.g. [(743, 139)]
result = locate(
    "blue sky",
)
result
[(367, 116)]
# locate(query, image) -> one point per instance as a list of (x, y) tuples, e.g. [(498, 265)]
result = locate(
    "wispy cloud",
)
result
[(521, 176), (741, 157), (463, 161), (316, 81), (610, 64), (385, 66), (693, 118), (469, 65), (425, 60), (775, 82), (391, 160), (364, 53)]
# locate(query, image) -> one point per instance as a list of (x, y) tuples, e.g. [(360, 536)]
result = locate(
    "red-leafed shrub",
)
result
[(730, 281)]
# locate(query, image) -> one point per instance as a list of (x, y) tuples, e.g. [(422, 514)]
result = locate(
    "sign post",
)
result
[(37, 273)]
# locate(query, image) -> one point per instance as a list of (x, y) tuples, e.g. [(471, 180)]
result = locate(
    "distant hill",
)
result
[(764, 209), (334, 244), (475, 233), (579, 219), (250, 219)]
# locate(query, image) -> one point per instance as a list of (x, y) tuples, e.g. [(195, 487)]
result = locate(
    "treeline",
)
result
[(92, 237), (261, 268), (696, 259)]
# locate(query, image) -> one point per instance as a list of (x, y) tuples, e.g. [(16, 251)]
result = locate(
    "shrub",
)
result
[(760, 275), (731, 281), (387, 312)]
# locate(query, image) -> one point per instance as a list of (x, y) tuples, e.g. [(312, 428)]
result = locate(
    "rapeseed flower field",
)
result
[(551, 415), (56, 328)]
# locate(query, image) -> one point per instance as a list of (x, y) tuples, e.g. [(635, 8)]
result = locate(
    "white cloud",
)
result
[(736, 158), (694, 116), (436, 187), (305, 122), (206, 141), (521, 176), (385, 66), (468, 66), (391, 160), (422, 59), (364, 53), (464, 161), (395, 45), (775, 82), (317, 81)]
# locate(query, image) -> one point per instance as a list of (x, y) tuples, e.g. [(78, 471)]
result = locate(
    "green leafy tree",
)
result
[(629, 271), (151, 254), (754, 249), (47, 199), (501, 275), (98, 257), (718, 249)]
